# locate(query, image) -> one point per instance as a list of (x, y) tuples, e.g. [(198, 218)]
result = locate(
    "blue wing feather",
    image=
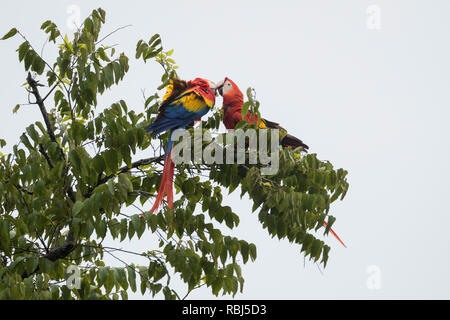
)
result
[(175, 116)]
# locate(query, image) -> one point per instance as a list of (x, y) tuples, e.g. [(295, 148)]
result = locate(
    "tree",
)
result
[(64, 185)]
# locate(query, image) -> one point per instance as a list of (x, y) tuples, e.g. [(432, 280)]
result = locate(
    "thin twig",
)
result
[(112, 32), (189, 291)]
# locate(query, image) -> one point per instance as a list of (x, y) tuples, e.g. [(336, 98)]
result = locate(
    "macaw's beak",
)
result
[(219, 87), (212, 86)]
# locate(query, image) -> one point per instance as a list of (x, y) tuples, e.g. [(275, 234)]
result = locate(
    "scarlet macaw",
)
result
[(183, 103), (233, 100)]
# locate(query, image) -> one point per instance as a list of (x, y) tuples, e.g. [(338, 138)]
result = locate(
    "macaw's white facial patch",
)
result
[(227, 86), (220, 83), (212, 85)]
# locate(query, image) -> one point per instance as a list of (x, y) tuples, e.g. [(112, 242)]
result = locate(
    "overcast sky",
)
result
[(364, 83)]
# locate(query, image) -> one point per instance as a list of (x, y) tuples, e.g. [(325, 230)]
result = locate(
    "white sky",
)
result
[(374, 102)]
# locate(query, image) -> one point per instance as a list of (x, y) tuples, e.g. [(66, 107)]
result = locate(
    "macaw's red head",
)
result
[(232, 96)]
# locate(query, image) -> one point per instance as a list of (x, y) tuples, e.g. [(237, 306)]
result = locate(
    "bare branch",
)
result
[(34, 90), (44, 153), (112, 32), (134, 165)]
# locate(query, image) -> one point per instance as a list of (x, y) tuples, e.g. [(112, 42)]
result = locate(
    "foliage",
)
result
[(64, 186)]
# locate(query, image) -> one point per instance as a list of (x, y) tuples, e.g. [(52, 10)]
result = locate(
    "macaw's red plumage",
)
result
[(183, 103), (233, 100)]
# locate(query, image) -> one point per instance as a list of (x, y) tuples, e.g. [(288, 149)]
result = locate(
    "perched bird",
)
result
[(233, 100), (183, 103)]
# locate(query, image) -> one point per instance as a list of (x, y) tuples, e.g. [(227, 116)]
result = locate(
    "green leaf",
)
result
[(110, 185), (100, 228), (138, 224), (244, 109), (46, 24), (32, 133), (153, 38), (10, 33), (121, 277), (75, 159), (111, 160), (45, 265), (16, 108), (102, 275), (252, 250), (102, 54), (29, 58), (244, 250), (31, 264), (38, 65), (123, 229), (77, 206), (99, 164), (216, 286), (23, 50), (132, 278), (29, 287)]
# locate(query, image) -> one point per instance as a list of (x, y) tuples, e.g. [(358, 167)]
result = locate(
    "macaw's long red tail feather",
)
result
[(169, 185), (335, 235), (165, 188)]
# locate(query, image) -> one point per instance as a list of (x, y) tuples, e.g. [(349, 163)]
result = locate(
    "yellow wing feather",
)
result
[(192, 101), (169, 89)]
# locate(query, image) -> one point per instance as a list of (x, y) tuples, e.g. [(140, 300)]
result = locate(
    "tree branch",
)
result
[(57, 253), (20, 188), (111, 33), (124, 169), (40, 102), (63, 251), (44, 153), (34, 89)]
